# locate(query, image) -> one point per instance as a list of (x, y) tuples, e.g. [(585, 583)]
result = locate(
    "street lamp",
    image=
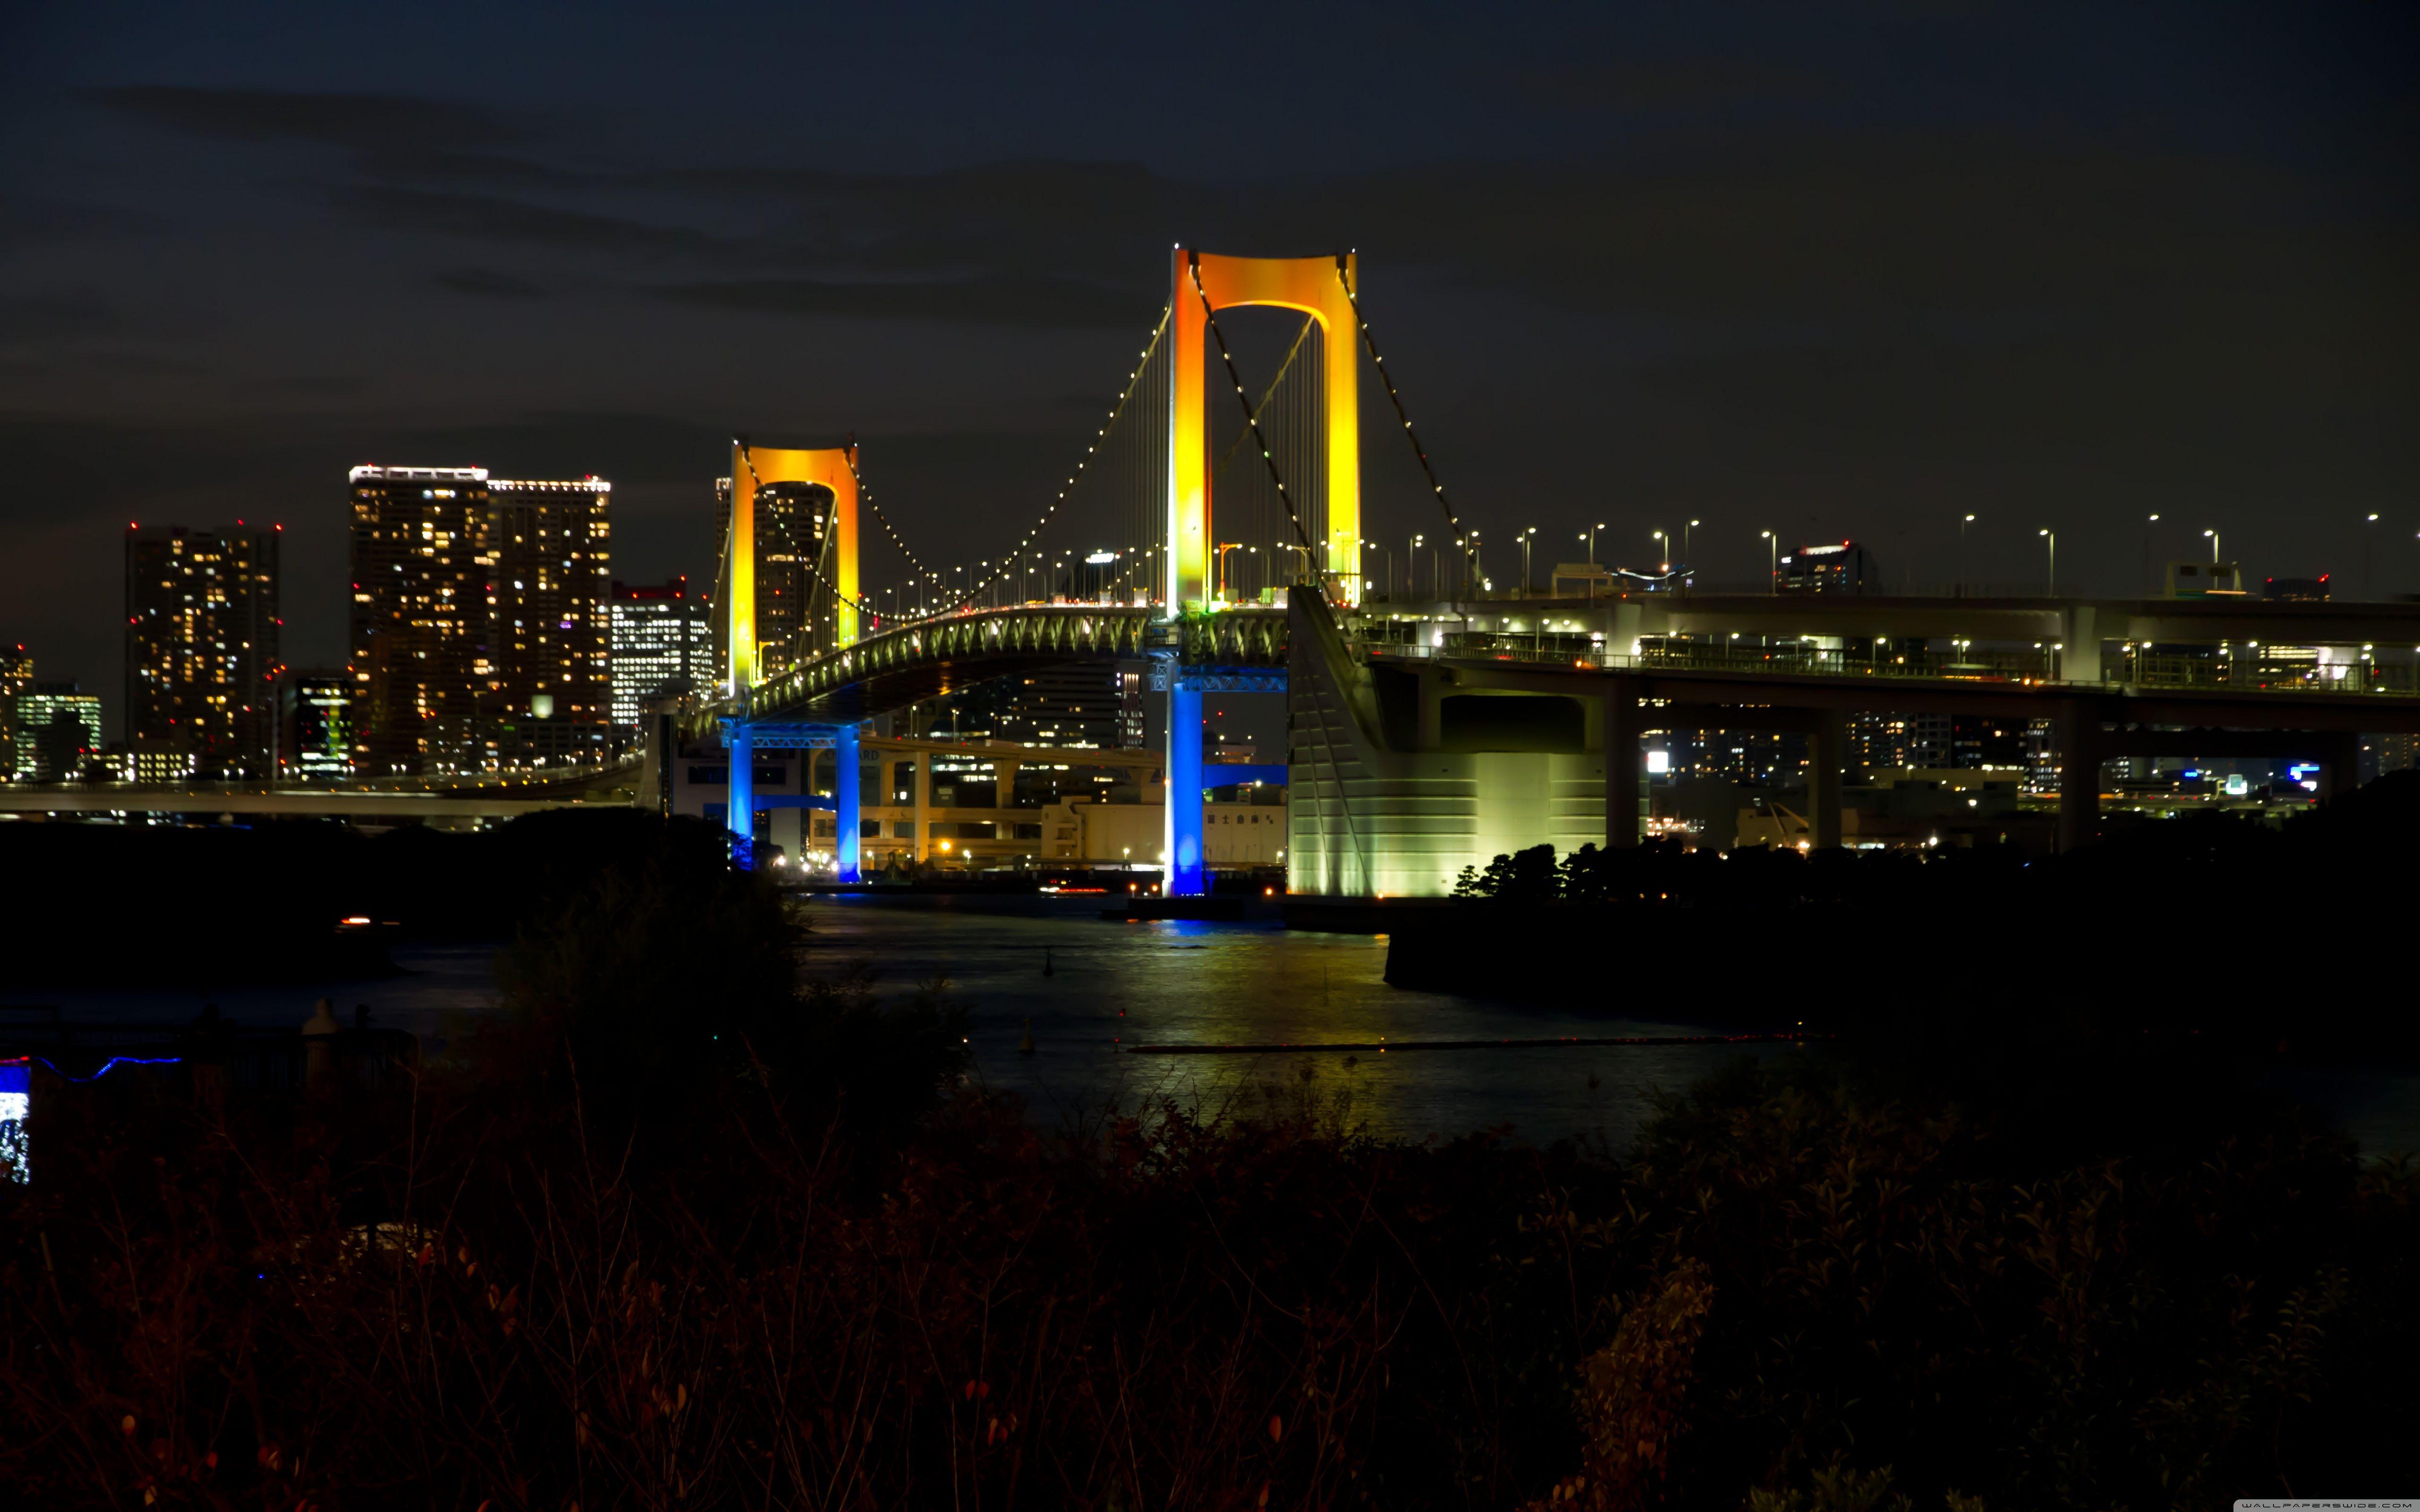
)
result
[(1773, 566), (1412, 563), (2214, 544), (2368, 585), (1684, 540), (2148, 523), (2053, 538), (1373, 546), (1589, 535), (1662, 550), (1526, 538), (1961, 554)]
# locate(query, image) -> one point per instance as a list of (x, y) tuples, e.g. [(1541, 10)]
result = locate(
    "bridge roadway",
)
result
[(495, 798), (1670, 661), (927, 659), (2083, 626), (924, 659), (2096, 722)]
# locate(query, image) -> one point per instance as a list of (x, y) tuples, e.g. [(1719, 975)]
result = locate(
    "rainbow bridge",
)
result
[(1431, 730)]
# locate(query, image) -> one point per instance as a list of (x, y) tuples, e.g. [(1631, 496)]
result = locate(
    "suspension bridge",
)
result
[(1223, 546)]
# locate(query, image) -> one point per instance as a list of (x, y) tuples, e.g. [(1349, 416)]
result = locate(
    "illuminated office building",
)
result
[(661, 646), (554, 553), (422, 585), (478, 619), (16, 677), (1073, 705), (315, 726), (202, 641), (58, 734)]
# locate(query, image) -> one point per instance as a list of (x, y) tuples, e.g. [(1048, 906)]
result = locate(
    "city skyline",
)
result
[(1854, 279)]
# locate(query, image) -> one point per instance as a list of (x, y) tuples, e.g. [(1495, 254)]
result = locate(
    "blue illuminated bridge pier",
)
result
[(1210, 538)]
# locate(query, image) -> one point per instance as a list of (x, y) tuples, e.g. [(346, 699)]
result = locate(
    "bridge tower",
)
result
[(752, 469), (1202, 284)]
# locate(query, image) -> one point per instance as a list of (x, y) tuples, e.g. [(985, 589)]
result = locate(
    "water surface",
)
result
[(1109, 987)]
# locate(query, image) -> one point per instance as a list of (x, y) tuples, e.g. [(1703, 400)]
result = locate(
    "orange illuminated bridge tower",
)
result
[(755, 469), (1204, 284), (1320, 287)]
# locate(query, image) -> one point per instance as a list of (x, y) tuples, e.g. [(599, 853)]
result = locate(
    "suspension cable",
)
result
[(1134, 381), (865, 497), (1384, 377), (1301, 337), (1251, 418)]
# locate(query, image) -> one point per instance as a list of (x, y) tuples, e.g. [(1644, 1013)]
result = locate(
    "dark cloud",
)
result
[(989, 300), (496, 218), (1673, 84), (487, 283), (391, 135), (26, 219), (365, 122), (31, 317)]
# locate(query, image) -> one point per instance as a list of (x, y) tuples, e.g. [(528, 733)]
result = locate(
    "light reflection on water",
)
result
[(1112, 985)]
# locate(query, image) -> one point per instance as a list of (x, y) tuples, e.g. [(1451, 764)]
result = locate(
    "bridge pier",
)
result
[(923, 850), (739, 804), (1827, 748), (1622, 766), (846, 803), (2339, 764), (1182, 870), (2080, 748)]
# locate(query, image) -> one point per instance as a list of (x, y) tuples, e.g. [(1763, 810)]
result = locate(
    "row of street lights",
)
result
[(2048, 536), (1467, 547)]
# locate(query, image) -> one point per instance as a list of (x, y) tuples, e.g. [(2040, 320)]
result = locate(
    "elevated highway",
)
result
[(1420, 747), (411, 801)]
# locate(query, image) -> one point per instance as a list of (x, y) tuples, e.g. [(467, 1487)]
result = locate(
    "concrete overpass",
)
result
[(392, 802), (1513, 723)]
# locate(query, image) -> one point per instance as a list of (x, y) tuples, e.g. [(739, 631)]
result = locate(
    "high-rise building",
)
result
[(553, 646), (1078, 705), (202, 647), (58, 734), (16, 677), (423, 604), (661, 646), (479, 626), (316, 725)]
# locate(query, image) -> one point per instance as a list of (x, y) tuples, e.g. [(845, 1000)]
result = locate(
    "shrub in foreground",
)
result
[(1799, 1287)]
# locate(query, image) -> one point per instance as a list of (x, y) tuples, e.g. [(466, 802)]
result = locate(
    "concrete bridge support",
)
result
[(740, 811), (1186, 877), (2079, 656), (2081, 751), (2339, 764), (848, 803), (1622, 765), (923, 821), (1827, 750)]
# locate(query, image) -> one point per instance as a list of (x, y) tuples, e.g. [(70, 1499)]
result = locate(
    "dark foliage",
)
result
[(1813, 1282), (210, 905), (2210, 923)]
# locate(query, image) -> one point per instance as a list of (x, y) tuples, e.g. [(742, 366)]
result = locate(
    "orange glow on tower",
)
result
[(1317, 287), (834, 467)]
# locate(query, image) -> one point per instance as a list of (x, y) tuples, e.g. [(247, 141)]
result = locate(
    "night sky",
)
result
[(1853, 274)]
